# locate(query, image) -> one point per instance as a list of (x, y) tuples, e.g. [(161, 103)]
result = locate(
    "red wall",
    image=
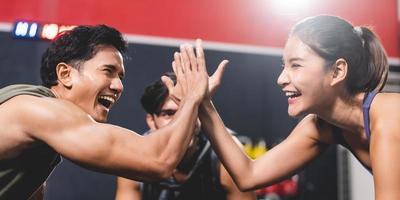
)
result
[(251, 22)]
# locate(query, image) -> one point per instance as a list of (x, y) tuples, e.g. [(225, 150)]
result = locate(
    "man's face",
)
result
[(97, 84), (165, 116)]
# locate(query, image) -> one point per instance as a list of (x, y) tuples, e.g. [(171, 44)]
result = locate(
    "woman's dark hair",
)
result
[(333, 38)]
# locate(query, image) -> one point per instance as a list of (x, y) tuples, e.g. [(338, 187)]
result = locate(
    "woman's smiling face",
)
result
[(304, 78)]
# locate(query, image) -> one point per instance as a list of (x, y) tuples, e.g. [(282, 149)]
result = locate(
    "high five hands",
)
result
[(191, 73)]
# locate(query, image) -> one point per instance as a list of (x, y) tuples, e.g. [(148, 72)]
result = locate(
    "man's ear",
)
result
[(151, 122), (339, 70), (64, 72)]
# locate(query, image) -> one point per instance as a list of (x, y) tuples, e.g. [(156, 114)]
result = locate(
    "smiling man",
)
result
[(82, 74)]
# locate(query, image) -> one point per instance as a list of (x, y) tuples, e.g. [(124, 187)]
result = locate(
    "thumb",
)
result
[(168, 83), (220, 70)]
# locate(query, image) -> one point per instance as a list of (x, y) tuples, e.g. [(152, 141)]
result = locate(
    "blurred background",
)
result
[(250, 34)]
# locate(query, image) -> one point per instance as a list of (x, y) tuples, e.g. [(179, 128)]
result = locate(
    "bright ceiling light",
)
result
[(291, 6)]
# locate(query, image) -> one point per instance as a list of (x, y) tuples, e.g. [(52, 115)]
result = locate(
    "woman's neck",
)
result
[(345, 113)]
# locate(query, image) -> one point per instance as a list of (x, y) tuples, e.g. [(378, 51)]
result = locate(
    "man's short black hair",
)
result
[(78, 45), (155, 95)]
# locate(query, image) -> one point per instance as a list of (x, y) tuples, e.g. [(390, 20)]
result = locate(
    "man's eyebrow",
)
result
[(166, 110), (114, 68)]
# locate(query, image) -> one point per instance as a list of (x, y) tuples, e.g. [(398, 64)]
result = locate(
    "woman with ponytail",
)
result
[(332, 75)]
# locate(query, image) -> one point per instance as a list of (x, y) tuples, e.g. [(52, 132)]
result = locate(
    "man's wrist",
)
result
[(206, 104)]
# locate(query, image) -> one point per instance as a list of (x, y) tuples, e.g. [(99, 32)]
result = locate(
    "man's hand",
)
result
[(192, 77), (187, 56)]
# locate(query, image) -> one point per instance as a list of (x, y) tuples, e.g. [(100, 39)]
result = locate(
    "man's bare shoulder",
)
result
[(41, 107), (30, 114), (21, 115)]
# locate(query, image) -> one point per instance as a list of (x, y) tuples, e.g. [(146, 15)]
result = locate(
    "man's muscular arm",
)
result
[(104, 147)]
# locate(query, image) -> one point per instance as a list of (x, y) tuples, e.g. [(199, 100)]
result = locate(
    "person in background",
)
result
[(199, 176)]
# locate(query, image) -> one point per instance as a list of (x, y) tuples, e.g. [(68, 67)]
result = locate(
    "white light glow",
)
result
[(291, 6)]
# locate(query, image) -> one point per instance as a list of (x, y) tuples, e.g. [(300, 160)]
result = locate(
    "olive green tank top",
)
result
[(22, 175)]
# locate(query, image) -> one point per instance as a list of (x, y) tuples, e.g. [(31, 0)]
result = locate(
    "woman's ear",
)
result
[(63, 72), (339, 71), (151, 122)]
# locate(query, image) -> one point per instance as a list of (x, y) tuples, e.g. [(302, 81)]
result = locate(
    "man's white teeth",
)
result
[(108, 98), (292, 94)]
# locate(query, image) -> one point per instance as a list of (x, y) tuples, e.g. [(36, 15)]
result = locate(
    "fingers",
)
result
[(189, 60), (177, 65), (192, 57), (201, 62), (185, 59), (180, 86), (192, 77)]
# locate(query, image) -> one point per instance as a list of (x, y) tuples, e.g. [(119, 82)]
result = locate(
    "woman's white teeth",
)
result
[(292, 94)]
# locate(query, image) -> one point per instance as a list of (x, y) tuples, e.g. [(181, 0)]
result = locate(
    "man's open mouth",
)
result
[(106, 101)]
